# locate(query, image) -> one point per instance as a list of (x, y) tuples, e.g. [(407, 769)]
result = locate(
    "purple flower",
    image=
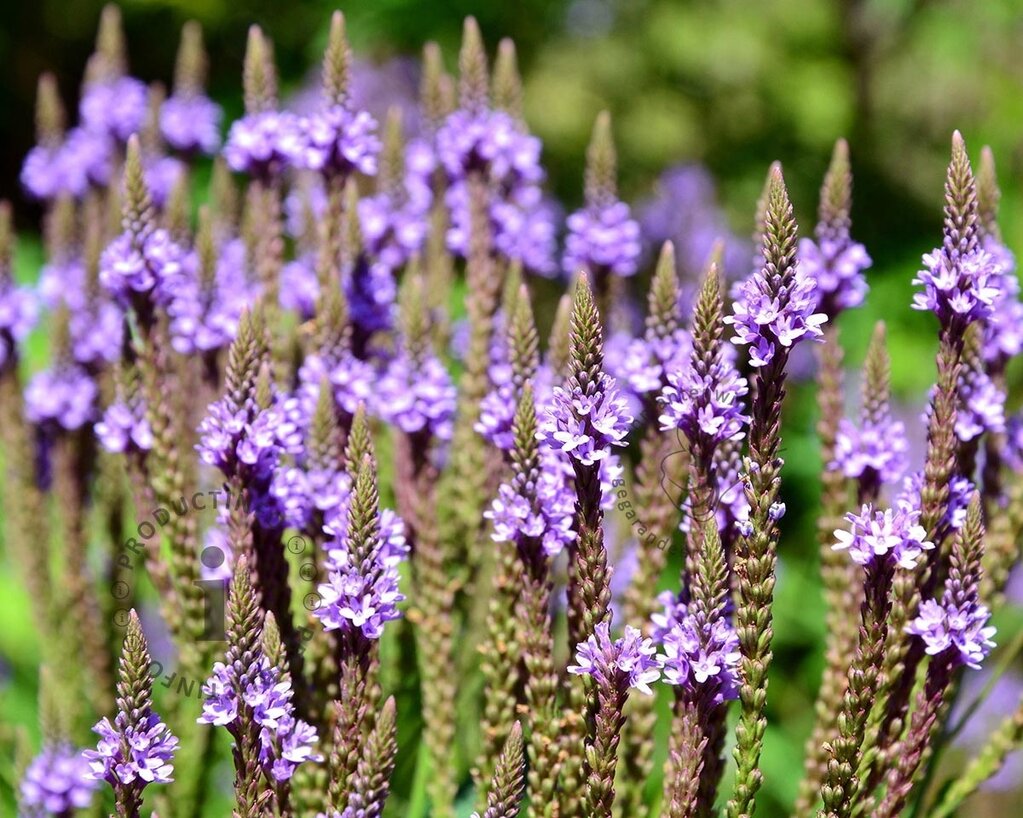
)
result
[(769, 313), (125, 427), (191, 123), (57, 781), (602, 238), (300, 286), (393, 546), (68, 169), (116, 107), (960, 291), (237, 441), (18, 314), (1003, 330), (836, 263), (64, 397), (893, 534), (586, 426), (129, 753), (419, 399), (625, 662), (205, 315), (700, 656), (491, 142), (961, 629), (162, 174), (878, 447), (357, 599), (981, 405), (706, 409), (149, 265), (337, 140), (371, 292), (96, 332), (960, 489), (293, 742), (643, 364), (263, 144)]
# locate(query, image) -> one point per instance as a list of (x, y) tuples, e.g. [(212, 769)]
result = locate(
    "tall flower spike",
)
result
[(434, 89), (507, 82), (336, 62), (988, 196), (372, 779), (601, 164), (50, 115), (473, 74), (509, 782), (192, 64), (259, 76), (137, 748), (110, 46)]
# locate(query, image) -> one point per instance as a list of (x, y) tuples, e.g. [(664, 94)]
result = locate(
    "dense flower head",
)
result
[(96, 330), (191, 123), (18, 314), (602, 238), (150, 265), (162, 175), (64, 397), (393, 550), (641, 365), (961, 629), (893, 534), (82, 159), (393, 231), (125, 427), (116, 107), (705, 408), (357, 598), (300, 286), (768, 314), (586, 426), (285, 742), (491, 142), (417, 399), (337, 140), (836, 264), (206, 317), (960, 489), (263, 143), (625, 662), (302, 492), (879, 447), (1003, 330), (981, 405), (57, 781), (959, 292), (371, 292), (700, 656), (150, 750)]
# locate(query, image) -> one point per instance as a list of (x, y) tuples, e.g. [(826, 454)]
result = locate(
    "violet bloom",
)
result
[(18, 314), (586, 426), (878, 447), (491, 142), (64, 397), (147, 266), (191, 123), (700, 656), (129, 753), (769, 313), (394, 547), (162, 175), (57, 782), (338, 141), (371, 291), (116, 107), (1003, 330), (83, 159), (303, 492), (420, 399), (205, 315), (893, 534), (707, 410), (625, 662), (644, 364), (836, 263), (96, 331), (300, 286), (125, 428), (960, 291), (602, 239), (960, 629), (262, 144), (960, 489), (981, 405), (357, 599)]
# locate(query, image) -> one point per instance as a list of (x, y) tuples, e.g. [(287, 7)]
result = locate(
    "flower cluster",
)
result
[(628, 661), (337, 141), (836, 264), (960, 489), (82, 160), (697, 655), (115, 107), (893, 534), (262, 144), (285, 742), (57, 781), (586, 426), (125, 427), (961, 629), (64, 397), (420, 399), (768, 314), (981, 405), (643, 364), (191, 123), (354, 599), (149, 266), (877, 447), (1003, 329), (603, 238), (705, 407), (963, 290), (132, 753)]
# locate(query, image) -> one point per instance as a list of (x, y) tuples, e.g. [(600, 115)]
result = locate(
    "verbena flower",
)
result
[(162, 175), (491, 142), (116, 107), (263, 144), (981, 405), (356, 599), (18, 314), (124, 427), (1003, 330), (892, 534), (371, 292), (337, 140), (880, 447), (129, 752), (394, 547), (151, 264), (960, 489), (643, 366), (420, 399), (629, 660), (83, 159), (945, 626), (706, 408), (700, 656), (769, 313), (602, 238), (191, 123), (300, 286), (965, 290), (57, 781), (586, 426), (836, 263), (64, 397)]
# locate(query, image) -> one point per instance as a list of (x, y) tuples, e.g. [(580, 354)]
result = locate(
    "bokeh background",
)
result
[(726, 85)]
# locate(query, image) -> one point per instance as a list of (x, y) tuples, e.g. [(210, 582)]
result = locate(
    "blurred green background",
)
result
[(732, 85)]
